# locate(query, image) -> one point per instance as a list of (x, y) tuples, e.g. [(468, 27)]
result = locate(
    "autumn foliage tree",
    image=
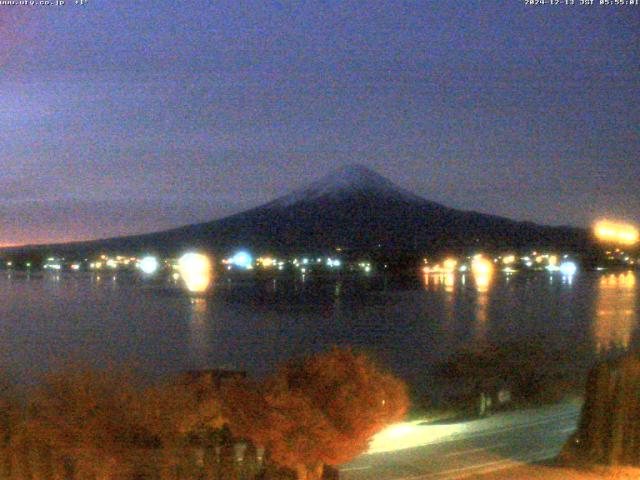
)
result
[(318, 410), (105, 425)]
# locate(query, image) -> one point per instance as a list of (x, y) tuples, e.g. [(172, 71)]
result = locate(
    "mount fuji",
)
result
[(353, 208), (344, 183)]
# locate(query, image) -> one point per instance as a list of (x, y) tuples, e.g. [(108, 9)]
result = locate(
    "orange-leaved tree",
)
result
[(322, 409), (105, 425)]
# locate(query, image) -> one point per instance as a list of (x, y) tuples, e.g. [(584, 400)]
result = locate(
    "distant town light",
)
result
[(149, 265), (481, 266), (450, 265), (509, 259), (333, 262), (242, 259), (267, 262), (568, 268), (482, 270), (195, 270)]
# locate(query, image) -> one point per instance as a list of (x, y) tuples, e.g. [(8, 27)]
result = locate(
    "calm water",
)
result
[(50, 318)]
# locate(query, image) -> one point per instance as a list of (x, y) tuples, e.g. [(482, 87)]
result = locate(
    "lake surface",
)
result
[(46, 319)]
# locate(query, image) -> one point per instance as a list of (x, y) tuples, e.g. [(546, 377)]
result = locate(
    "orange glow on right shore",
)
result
[(617, 233)]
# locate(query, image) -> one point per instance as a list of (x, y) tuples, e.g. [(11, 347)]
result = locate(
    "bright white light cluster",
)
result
[(149, 265), (568, 268), (242, 259), (333, 262)]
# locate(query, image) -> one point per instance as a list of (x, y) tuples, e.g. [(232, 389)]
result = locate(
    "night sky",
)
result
[(123, 117)]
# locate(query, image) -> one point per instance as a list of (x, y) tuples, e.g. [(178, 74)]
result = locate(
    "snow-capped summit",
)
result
[(349, 180)]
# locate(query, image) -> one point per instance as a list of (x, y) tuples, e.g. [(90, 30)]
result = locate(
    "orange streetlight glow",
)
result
[(195, 270), (481, 266), (618, 233), (450, 265), (509, 259), (482, 270)]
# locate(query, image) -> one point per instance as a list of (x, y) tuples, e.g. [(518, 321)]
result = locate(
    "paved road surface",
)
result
[(457, 450)]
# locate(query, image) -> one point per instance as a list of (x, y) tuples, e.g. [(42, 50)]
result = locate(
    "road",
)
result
[(415, 451)]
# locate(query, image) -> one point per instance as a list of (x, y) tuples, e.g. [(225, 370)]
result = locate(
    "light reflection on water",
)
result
[(615, 308), (482, 317), (253, 327), (199, 333), (482, 282), (616, 313), (483, 278)]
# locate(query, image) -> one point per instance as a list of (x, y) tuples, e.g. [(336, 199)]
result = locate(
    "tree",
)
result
[(609, 430), (102, 424), (318, 410)]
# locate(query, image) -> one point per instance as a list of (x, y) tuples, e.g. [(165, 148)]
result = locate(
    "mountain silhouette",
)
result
[(355, 209)]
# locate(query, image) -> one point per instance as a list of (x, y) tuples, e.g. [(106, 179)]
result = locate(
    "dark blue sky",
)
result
[(124, 117)]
